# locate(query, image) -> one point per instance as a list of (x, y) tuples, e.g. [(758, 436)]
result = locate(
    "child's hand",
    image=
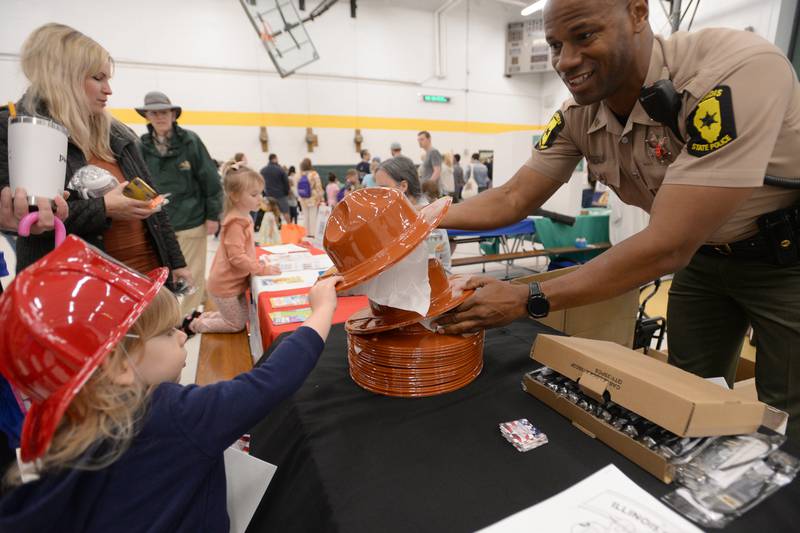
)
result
[(269, 270), (322, 295), (322, 298)]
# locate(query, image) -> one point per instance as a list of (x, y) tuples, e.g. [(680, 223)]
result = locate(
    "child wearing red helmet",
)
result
[(116, 443)]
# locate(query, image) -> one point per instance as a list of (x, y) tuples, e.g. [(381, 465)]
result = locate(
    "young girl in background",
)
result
[(291, 174), (332, 189), (311, 195), (117, 444), (235, 260), (268, 223)]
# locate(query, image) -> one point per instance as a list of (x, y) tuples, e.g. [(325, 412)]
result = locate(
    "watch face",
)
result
[(538, 304)]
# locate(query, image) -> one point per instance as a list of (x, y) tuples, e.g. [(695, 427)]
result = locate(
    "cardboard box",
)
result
[(745, 371), (674, 399), (658, 355), (746, 368), (610, 320)]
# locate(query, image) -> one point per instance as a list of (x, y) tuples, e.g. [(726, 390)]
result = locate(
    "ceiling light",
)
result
[(533, 8)]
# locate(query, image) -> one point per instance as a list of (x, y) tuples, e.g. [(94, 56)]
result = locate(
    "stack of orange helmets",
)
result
[(389, 351)]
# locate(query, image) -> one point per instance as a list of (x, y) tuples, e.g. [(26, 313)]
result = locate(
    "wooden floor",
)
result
[(222, 355)]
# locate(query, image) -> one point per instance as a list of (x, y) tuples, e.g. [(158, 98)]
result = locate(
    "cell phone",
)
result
[(139, 190)]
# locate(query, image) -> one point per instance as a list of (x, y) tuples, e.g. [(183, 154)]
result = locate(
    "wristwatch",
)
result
[(538, 305)]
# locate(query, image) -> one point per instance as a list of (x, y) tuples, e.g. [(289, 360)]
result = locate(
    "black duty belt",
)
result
[(754, 248)]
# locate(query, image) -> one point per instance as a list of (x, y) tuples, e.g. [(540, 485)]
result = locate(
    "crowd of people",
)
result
[(108, 431)]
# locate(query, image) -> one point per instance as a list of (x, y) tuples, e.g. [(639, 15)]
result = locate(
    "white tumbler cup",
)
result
[(37, 156)]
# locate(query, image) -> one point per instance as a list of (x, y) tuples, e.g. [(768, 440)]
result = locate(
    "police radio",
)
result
[(779, 229), (662, 103)]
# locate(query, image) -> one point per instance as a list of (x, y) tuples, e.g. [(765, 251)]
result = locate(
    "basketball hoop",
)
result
[(288, 45)]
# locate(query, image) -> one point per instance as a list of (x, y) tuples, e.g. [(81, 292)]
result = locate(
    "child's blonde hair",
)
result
[(236, 179), (57, 60), (104, 414)]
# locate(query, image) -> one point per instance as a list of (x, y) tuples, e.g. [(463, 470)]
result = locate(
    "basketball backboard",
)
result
[(281, 30)]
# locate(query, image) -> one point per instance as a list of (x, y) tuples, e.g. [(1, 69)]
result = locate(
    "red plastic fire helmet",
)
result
[(61, 317)]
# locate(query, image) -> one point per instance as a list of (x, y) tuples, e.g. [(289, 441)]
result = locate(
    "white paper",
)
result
[(299, 261), (405, 285), (284, 248), (300, 279), (605, 502), (246, 481)]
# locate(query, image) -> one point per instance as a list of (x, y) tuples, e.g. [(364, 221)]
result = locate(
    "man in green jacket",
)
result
[(180, 165)]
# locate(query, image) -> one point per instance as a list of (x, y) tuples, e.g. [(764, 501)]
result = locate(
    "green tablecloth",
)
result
[(592, 226)]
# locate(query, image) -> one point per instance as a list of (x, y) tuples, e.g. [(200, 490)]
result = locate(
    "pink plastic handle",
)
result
[(30, 219)]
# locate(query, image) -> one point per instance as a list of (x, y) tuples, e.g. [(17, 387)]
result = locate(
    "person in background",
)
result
[(116, 430), (240, 157), (369, 179), (351, 183), (311, 195), (447, 182), (180, 165), (332, 189), (431, 168), (69, 76), (363, 165), (395, 149), (267, 224), (479, 171), (235, 260), (291, 175), (458, 177), (401, 173), (277, 184)]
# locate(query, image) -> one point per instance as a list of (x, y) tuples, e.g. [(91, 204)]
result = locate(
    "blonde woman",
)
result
[(69, 77), (311, 195)]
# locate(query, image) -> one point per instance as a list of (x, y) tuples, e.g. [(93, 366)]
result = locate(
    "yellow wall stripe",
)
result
[(296, 120)]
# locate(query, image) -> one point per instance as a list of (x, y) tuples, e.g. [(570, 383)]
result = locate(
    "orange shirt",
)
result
[(235, 260), (128, 240)]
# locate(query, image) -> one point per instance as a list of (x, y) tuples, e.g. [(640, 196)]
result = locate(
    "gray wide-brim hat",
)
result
[(157, 101)]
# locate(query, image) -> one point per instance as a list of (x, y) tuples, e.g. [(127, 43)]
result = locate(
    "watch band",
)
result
[(538, 305)]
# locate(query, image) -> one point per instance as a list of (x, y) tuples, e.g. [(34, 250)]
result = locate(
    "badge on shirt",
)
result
[(551, 132), (185, 165), (657, 147), (710, 125)]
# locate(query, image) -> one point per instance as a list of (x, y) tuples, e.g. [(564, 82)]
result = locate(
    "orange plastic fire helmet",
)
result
[(61, 317)]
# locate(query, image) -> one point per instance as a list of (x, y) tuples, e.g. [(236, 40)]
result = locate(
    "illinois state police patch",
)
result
[(711, 125), (551, 132)]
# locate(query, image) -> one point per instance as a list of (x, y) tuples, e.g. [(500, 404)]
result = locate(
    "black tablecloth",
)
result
[(349, 460)]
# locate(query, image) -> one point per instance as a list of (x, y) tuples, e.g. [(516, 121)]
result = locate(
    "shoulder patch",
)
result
[(551, 132), (711, 124)]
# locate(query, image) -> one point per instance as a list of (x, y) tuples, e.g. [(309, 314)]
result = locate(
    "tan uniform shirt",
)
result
[(740, 114)]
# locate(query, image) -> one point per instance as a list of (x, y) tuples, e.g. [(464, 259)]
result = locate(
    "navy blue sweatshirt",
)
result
[(172, 478)]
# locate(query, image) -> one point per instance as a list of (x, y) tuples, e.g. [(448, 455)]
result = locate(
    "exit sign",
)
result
[(435, 99)]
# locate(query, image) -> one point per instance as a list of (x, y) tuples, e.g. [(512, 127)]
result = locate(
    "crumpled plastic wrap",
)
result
[(92, 182)]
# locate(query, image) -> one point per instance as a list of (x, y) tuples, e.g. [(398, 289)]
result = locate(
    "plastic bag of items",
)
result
[(731, 476)]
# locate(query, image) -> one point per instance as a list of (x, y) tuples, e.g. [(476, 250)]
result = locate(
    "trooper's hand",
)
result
[(494, 303)]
